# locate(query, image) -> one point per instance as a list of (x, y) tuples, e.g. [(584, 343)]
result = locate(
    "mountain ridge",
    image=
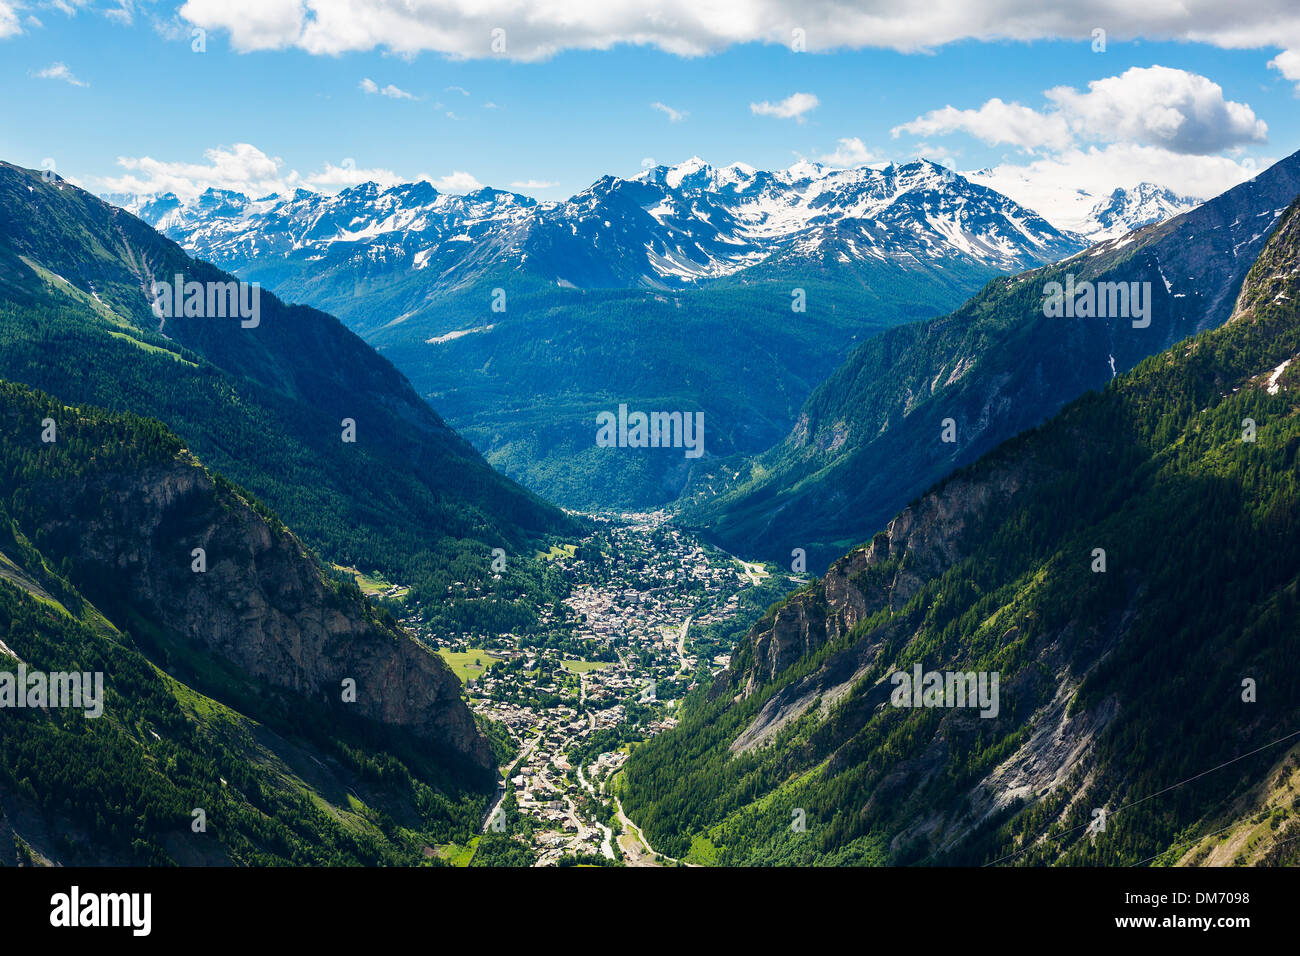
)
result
[(693, 226)]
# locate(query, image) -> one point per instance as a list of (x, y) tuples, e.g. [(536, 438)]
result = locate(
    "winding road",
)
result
[(504, 785)]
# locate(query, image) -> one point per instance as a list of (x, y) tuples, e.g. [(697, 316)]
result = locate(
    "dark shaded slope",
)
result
[(226, 688), (869, 439)]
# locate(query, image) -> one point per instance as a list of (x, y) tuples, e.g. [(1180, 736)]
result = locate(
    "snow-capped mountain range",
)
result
[(1127, 209), (669, 227)]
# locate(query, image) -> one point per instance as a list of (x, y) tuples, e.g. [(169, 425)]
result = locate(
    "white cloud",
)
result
[(674, 116), (60, 71), (1065, 186), (850, 152), (792, 107), (1288, 64), (242, 167), (690, 28), (123, 13), (333, 178), (1148, 106), (1154, 124), (995, 122), (457, 182), (9, 25), (1157, 106), (252, 24), (533, 184), (172, 28), (245, 169), (458, 89), (369, 86)]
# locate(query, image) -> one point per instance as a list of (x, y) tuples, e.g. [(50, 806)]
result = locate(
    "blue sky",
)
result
[(114, 94)]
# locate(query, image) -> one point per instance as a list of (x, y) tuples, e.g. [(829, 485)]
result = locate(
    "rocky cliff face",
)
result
[(920, 544), (262, 604)]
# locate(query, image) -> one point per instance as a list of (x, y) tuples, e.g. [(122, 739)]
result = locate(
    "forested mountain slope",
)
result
[(1129, 570), (239, 680)]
